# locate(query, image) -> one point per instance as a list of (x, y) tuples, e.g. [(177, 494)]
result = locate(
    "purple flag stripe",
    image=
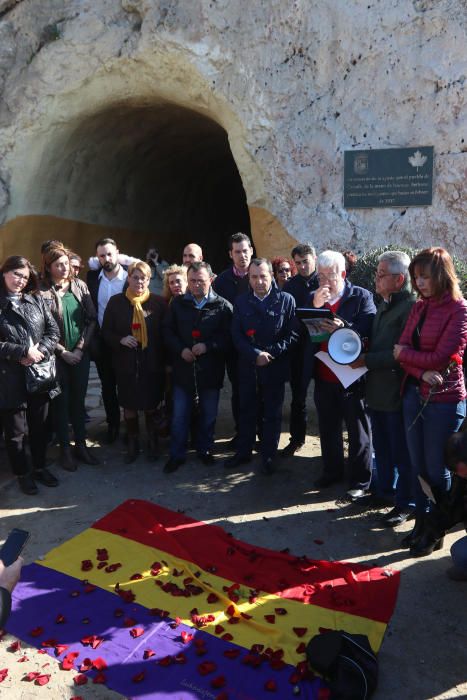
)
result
[(43, 594)]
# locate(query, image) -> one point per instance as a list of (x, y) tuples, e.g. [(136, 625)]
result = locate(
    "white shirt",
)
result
[(107, 289)]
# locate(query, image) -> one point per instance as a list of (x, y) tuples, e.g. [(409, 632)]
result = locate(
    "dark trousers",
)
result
[(336, 406), (20, 422), (182, 417), (392, 457), (68, 407), (261, 400), (102, 356), (301, 372), (232, 373)]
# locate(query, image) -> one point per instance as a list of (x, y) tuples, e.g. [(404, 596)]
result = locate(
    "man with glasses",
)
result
[(383, 386), (354, 307), (302, 354)]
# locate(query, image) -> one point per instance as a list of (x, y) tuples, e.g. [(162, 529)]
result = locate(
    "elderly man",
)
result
[(355, 308), (302, 354), (192, 253), (264, 327), (230, 284), (383, 383), (197, 334)]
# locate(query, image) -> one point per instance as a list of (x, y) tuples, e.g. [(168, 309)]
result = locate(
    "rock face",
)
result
[(172, 118)]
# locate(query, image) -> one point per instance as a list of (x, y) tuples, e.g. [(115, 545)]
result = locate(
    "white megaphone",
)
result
[(344, 346)]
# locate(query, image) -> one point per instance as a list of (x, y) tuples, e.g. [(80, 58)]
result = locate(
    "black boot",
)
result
[(152, 440), (132, 427), (66, 460), (426, 544), (409, 540), (82, 453), (27, 484)]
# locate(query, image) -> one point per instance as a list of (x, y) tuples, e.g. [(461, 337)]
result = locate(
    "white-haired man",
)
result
[(383, 386), (355, 308)]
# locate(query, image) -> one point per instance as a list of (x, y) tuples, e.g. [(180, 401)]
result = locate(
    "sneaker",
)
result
[(290, 449), (397, 516)]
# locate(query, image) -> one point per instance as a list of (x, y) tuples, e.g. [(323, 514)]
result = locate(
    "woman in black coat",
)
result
[(132, 328), (28, 334)]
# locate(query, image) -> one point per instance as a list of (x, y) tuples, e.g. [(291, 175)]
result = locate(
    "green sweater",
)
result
[(383, 380)]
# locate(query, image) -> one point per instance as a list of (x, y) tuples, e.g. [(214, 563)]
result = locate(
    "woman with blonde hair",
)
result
[(71, 306), (132, 328), (430, 350), (175, 282)]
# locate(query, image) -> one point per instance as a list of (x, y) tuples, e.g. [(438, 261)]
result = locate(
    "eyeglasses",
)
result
[(19, 276), (284, 269), (328, 278), (380, 275)]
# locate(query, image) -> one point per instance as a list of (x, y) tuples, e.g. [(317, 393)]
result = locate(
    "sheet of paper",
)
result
[(345, 374)]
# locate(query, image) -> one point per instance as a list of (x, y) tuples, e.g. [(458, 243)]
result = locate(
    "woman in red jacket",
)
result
[(430, 351)]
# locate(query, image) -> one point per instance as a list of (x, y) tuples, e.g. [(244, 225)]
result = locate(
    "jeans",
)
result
[(261, 399), (392, 457), (181, 421), (426, 438), (459, 554), (17, 424), (68, 407)]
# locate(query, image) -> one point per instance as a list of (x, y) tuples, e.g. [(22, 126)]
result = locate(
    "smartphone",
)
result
[(13, 546)]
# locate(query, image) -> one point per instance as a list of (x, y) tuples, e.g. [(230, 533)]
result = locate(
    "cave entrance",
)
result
[(161, 174)]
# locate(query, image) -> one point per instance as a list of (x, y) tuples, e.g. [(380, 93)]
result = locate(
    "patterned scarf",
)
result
[(138, 323)]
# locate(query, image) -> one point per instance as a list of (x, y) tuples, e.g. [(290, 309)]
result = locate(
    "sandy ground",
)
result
[(424, 654)]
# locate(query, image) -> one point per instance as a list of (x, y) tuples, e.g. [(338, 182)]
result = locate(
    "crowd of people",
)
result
[(164, 335)]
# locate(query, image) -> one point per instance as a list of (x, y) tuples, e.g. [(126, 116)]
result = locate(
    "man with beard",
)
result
[(229, 284), (192, 253), (110, 279)]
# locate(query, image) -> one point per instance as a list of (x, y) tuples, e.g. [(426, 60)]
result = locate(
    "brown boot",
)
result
[(82, 454), (132, 427), (66, 460), (152, 440)]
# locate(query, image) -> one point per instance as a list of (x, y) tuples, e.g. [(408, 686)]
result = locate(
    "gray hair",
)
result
[(398, 262), (331, 258), (261, 261)]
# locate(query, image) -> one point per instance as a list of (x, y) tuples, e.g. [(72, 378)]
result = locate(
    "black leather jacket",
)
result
[(19, 325)]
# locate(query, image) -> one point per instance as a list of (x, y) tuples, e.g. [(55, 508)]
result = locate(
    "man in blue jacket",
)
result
[(229, 284), (334, 404), (264, 327), (197, 334)]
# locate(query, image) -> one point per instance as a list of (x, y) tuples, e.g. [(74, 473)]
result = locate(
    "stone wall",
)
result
[(250, 103)]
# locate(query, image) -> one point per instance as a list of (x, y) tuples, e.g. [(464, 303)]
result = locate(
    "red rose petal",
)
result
[(230, 611), (129, 622), (99, 678), (206, 667), (137, 632), (86, 565), (227, 637), (186, 637), (280, 611), (166, 661), (112, 567), (180, 658), (86, 665), (49, 643), (136, 577), (199, 642), (22, 659), (36, 632), (118, 612), (14, 646), (102, 565), (102, 555), (270, 685), (234, 620), (300, 631), (68, 662), (99, 664), (257, 648), (42, 679), (148, 653), (138, 677), (271, 619), (218, 629), (80, 679), (201, 651), (60, 619), (246, 616), (301, 649), (212, 598), (222, 696), (218, 682), (31, 676), (232, 653), (3, 674)]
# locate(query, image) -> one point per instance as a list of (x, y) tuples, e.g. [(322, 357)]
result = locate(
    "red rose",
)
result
[(195, 333), (135, 326), (456, 359), (251, 332)]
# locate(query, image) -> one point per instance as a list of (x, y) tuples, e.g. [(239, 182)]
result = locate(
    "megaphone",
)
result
[(344, 346)]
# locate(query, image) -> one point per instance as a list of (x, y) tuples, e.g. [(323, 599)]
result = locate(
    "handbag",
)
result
[(41, 376)]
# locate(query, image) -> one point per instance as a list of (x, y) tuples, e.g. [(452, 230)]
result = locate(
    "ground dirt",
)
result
[(424, 653)]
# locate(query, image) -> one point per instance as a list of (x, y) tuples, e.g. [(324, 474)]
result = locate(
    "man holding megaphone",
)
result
[(353, 308)]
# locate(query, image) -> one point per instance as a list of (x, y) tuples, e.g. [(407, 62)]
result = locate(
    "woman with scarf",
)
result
[(132, 328), (430, 351)]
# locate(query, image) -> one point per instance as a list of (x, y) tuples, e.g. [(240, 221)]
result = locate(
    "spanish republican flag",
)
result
[(154, 604)]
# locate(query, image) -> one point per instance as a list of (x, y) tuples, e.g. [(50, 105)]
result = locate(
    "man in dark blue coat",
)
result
[(336, 405), (264, 327), (229, 284), (197, 334), (302, 354)]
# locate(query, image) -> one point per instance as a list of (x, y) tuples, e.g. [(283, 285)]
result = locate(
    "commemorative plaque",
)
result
[(388, 177)]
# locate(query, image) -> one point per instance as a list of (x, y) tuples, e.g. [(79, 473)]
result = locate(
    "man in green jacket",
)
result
[(383, 386)]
